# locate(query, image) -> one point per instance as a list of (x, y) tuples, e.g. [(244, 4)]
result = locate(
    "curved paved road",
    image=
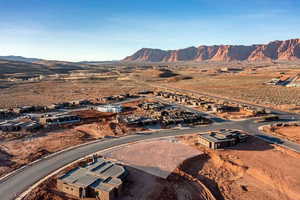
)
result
[(15, 184)]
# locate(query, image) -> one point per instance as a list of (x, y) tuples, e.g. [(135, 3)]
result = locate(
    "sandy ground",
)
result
[(291, 133), (19, 152), (230, 115), (159, 157), (138, 186), (249, 171), (141, 185), (178, 186), (16, 153), (102, 129), (48, 92), (245, 86), (235, 115)]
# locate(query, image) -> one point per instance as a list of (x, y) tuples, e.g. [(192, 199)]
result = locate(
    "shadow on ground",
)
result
[(192, 167), (252, 144)]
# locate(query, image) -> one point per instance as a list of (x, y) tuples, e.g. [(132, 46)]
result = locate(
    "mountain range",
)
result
[(276, 50), (38, 60), (20, 59)]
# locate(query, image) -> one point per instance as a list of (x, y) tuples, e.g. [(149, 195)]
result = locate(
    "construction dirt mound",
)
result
[(254, 170), (106, 128)]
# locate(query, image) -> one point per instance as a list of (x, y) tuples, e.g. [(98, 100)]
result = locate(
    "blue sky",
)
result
[(112, 29)]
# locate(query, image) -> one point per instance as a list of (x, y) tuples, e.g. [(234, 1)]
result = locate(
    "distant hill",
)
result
[(98, 62), (276, 50), (20, 59), (38, 60), (10, 67), (41, 67)]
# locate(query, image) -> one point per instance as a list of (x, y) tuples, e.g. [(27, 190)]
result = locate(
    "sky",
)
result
[(76, 30)]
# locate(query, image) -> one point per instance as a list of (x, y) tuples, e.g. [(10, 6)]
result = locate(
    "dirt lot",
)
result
[(178, 186), (249, 171), (102, 129), (235, 115), (291, 133), (160, 159), (242, 114)]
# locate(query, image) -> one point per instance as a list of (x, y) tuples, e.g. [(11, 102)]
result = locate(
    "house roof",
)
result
[(101, 174), (221, 136), (214, 138)]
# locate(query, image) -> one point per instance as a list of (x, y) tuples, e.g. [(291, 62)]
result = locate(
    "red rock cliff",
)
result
[(277, 50)]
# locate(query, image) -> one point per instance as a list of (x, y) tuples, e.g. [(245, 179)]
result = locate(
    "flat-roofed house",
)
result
[(100, 179), (59, 120), (10, 126), (110, 108), (222, 138)]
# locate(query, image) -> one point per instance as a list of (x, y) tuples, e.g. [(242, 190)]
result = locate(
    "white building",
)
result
[(110, 108)]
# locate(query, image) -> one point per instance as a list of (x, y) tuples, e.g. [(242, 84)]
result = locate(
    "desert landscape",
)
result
[(238, 172), (233, 91), (150, 100), (242, 172)]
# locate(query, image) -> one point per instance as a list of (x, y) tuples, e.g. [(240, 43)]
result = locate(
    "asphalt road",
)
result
[(15, 184), (19, 182), (249, 125)]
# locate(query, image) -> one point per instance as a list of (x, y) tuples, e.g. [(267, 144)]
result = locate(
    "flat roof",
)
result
[(106, 185), (221, 136), (86, 180), (101, 174), (213, 138)]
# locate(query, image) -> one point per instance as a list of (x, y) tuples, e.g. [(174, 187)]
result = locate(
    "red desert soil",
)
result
[(138, 186), (16, 153), (248, 171), (158, 157), (235, 115), (290, 132), (254, 170), (102, 129), (19, 152), (141, 185)]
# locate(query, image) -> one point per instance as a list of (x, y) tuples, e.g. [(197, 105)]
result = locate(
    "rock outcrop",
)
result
[(276, 50)]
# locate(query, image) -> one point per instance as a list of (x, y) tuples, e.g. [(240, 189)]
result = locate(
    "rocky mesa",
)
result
[(276, 50)]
